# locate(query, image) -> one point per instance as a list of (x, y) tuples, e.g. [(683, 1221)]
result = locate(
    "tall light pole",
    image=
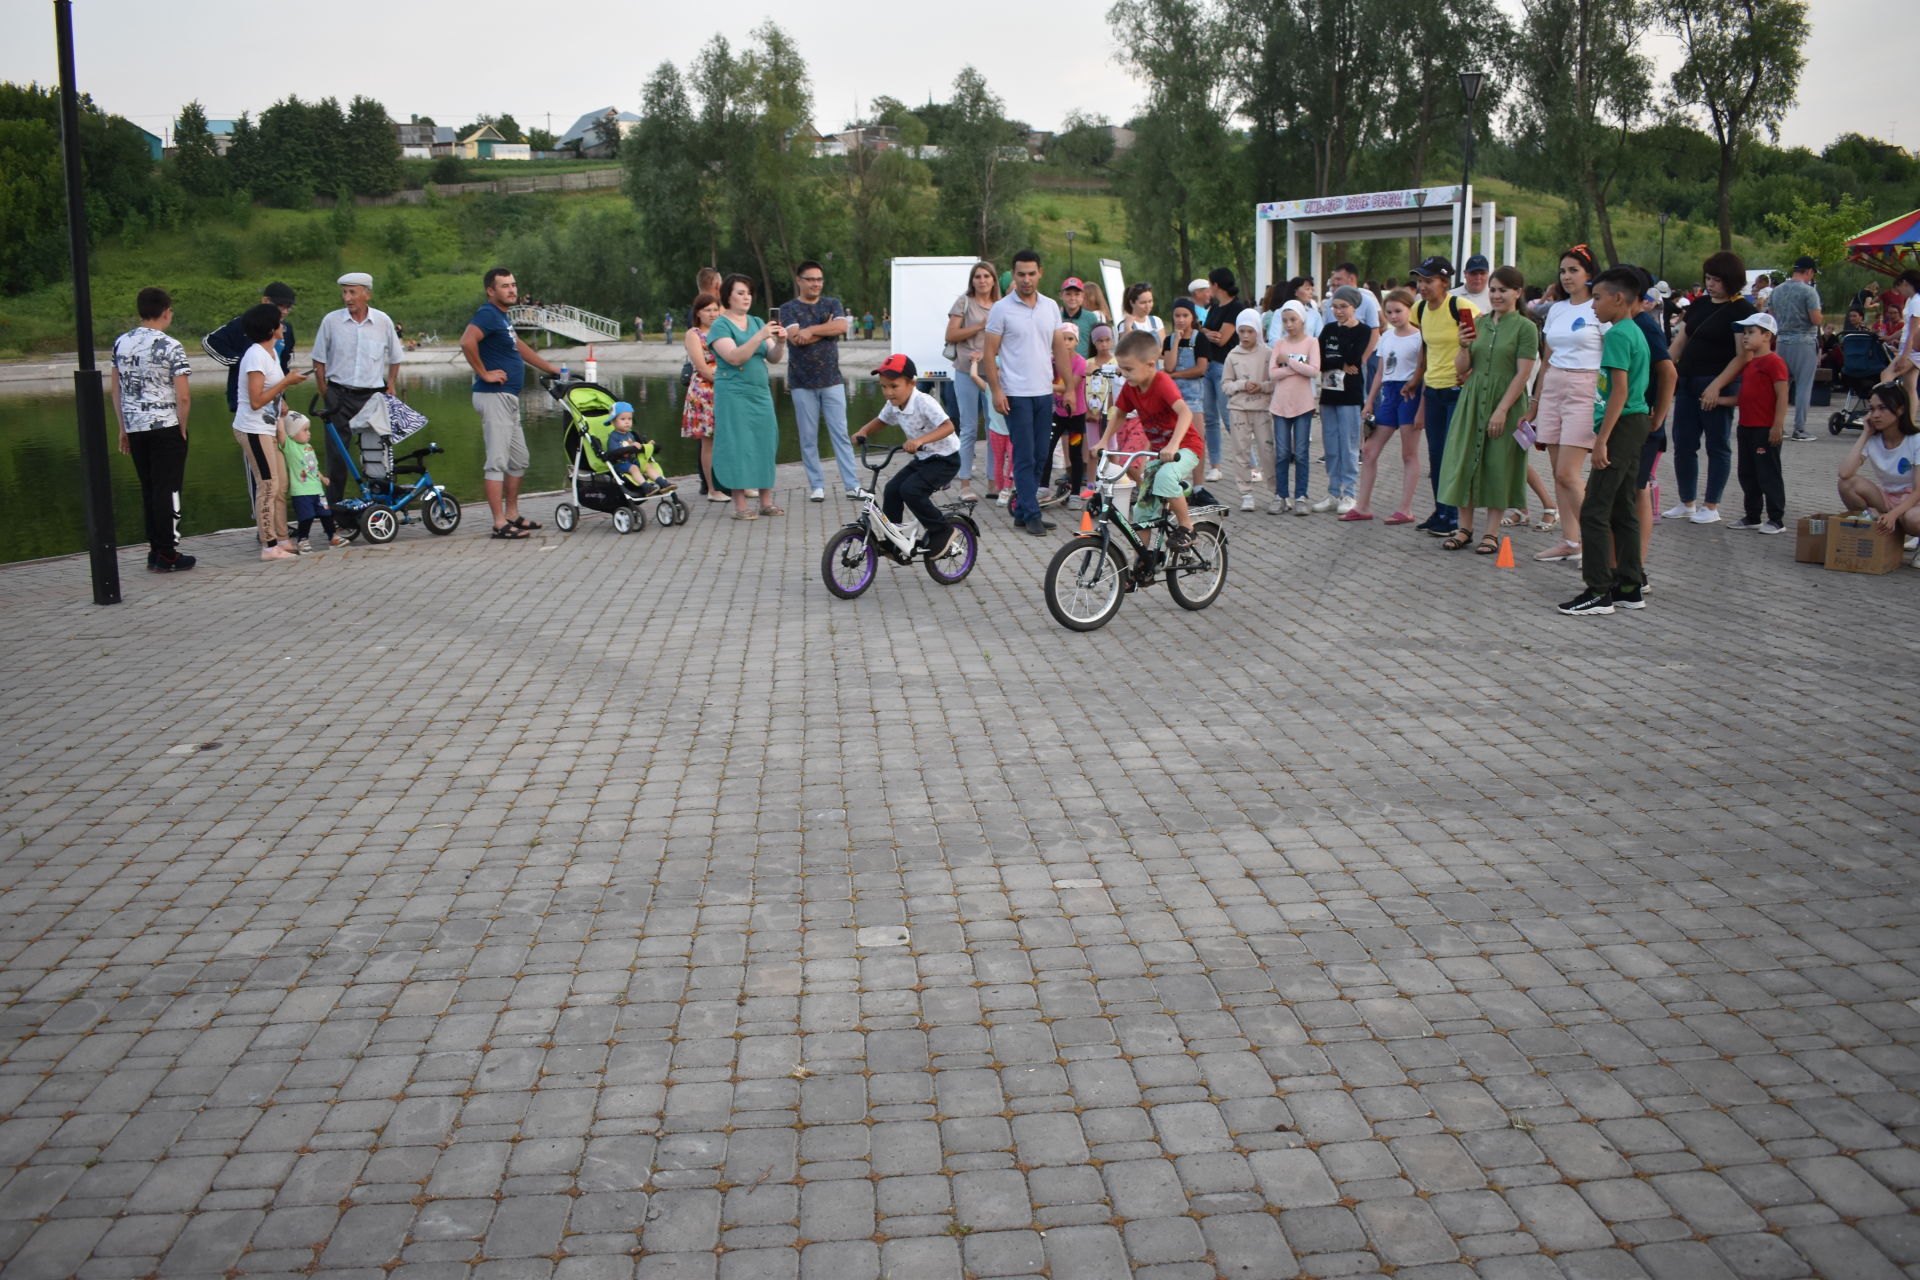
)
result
[(89, 397), (1664, 215), (1470, 82), (1070, 236)]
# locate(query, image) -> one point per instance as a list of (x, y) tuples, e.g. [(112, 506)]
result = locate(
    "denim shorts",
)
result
[(1394, 409)]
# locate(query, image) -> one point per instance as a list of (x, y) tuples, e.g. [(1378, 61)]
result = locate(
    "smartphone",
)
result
[(1466, 322)]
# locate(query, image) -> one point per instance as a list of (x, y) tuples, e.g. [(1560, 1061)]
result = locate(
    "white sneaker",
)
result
[(1246, 502), (1254, 476), (817, 495), (1277, 507), (1213, 473), (1004, 495), (1678, 511), (1346, 505), (1326, 504), (1771, 527), (1705, 515), (1300, 507)]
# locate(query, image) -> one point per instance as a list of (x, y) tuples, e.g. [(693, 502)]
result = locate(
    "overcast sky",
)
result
[(453, 62)]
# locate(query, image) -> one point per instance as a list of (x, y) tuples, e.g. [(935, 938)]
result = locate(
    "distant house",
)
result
[(1122, 137), (585, 137), (154, 145), (415, 139), (486, 143), (1037, 142), (866, 137), (445, 141), (222, 131)]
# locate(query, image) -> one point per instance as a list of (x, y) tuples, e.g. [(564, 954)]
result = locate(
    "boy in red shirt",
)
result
[(1163, 422), (1762, 418)]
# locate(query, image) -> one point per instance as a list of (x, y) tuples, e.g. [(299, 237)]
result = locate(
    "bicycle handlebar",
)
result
[(880, 466)]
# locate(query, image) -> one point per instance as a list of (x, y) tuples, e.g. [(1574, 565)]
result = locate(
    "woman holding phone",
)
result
[(745, 432), (1562, 409)]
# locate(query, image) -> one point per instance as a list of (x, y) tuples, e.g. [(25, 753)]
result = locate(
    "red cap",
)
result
[(1071, 282), (899, 365)]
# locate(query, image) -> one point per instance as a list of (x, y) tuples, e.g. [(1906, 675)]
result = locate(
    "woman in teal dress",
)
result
[(745, 432), (1484, 466)]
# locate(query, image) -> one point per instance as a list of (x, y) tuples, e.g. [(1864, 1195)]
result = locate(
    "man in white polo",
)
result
[(356, 353), (1025, 351)]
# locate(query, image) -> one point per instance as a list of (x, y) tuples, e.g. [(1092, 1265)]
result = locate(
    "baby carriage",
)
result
[(596, 484), (1863, 358)]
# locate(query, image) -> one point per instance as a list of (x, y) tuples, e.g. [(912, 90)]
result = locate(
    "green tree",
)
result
[(1084, 142), (196, 161), (541, 140), (983, 171), (246, 163), (371, 157), (1741, 66), (1821, 230), (1582, 84), (509, 128), (889, 199), (669, 187)]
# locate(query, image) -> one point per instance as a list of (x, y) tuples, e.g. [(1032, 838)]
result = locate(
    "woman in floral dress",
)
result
[(696, 420)]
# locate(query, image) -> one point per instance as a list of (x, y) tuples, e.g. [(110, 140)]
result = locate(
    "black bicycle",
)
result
[(852, 556), (1088, 576)]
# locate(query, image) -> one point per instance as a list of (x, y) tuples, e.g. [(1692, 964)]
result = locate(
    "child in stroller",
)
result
[(631, 455), (1863, 357)]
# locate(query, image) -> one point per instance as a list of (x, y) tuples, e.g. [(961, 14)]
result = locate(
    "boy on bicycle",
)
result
[(1164, 422), (930, 438)]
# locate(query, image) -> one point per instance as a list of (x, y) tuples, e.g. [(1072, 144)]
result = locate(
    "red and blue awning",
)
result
[(1891, 247)]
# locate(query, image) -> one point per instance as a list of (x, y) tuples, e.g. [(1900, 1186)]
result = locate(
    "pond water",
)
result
[(40, 452)]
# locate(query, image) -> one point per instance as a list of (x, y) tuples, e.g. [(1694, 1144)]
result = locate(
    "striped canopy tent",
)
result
[(1889, 248)]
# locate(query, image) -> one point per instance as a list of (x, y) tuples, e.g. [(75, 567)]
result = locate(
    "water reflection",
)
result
[(40, 452)]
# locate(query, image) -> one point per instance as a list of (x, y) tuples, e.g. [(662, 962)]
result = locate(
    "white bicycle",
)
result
[(852, 556)]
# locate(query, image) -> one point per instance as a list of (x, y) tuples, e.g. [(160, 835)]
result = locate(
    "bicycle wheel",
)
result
[(1083, 584), (1195, 579), (961, 555), (849, 563), (441, 513)]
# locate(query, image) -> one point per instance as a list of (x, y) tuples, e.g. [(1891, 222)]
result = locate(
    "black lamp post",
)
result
[(1470, 82), (1070, 236), (89, 397), (1664, 215)]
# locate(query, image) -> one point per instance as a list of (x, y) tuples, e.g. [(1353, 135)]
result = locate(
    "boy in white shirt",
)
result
[(930, 438)]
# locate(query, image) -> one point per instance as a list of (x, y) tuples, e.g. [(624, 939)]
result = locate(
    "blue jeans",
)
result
[(1440, 406), (1691, 423), (1340, 440), (1215, 403), (808, 408), (1030, 425), (1292, 446), (967, 403)]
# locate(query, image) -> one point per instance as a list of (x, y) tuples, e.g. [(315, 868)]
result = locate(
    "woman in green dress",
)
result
[(745, 432), (1484, 466)]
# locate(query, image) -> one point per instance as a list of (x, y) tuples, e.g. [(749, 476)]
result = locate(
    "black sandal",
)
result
[(1488, 546), (1456, 540), (508, 533), (523, 524)]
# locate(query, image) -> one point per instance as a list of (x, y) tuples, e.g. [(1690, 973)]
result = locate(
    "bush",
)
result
[(222, 254), (449, 169), (396, 235), (344, 216)]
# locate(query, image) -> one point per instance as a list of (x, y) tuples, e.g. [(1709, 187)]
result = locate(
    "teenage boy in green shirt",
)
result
[(1609, 517)]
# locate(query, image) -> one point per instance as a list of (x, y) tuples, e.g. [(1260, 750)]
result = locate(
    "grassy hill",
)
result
[(427, 274)]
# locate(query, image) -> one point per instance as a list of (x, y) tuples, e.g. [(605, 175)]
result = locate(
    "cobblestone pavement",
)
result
[(611, 907)]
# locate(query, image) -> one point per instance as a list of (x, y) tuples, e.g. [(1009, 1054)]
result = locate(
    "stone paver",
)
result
[(472, 911)]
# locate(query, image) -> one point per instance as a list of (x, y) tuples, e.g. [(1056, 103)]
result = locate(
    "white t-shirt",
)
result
[(920, 415), (1893, 469), (257, 422), (1575, 333), (1482, 301), (1907, 314), (1399, 356), (1026, 343)]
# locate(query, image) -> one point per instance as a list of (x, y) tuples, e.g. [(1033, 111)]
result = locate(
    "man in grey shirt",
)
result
[(1795, 304)]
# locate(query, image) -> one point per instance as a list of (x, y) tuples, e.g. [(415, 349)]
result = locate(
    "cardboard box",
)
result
[(1810, 540), (1855, 546)]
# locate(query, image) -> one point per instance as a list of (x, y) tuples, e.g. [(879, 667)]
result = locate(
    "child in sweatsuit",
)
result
[(1249, 387)]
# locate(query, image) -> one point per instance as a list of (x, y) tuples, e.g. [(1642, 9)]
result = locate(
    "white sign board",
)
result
[(924, 290), (1115, 284), (1366, 202)]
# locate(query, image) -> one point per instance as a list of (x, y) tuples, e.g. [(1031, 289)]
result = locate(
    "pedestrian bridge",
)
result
[(568, 322)]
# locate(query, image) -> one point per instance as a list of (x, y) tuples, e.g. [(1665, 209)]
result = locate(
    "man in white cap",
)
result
[(356, 353), (1202, 294)]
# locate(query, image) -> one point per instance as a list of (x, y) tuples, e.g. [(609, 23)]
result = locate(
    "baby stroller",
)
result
[(1863, 358), (596, 484)]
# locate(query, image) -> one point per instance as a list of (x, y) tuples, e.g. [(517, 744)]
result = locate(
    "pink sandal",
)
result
[(1357, 515), (1399, 517)]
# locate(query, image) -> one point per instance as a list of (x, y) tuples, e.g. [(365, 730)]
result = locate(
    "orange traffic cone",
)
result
[(1505, 559), (1086, 521)]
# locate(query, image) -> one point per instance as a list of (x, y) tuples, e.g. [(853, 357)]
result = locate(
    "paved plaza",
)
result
[(606, 907)]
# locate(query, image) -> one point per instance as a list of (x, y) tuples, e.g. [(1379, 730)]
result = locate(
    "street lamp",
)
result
[(1470, 82), (1664, 215), (1070, 236)]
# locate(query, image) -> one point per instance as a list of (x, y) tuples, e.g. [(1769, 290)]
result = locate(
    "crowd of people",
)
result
[(1482, 368)]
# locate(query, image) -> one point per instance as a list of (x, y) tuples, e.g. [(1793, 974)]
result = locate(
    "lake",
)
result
[(40, 451)]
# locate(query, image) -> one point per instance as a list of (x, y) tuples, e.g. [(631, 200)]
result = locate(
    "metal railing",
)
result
[(569, 322)]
